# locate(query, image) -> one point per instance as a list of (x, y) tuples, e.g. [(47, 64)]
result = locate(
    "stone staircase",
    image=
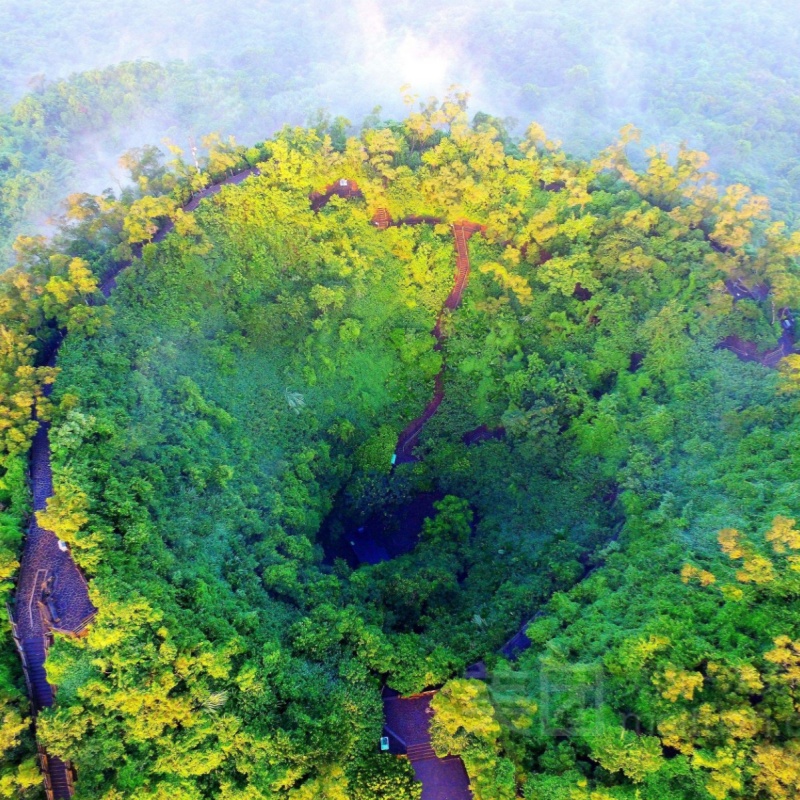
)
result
[(381, 219), (42, 691), (407, 724), (58, 783), (423, 751), (460, 235)]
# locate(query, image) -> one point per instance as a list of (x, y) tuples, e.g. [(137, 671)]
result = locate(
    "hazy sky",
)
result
[(350, 55), (722, 74)]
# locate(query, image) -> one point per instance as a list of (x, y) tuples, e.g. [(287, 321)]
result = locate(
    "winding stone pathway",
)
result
[(52, 595), (407, 725), (749, 351)]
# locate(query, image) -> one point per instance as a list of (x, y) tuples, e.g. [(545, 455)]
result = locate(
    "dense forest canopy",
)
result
[(224, 423)]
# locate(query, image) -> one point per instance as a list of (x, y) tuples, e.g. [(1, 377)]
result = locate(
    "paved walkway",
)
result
[(749, 351), (407, 724), (51, 593), (462, 231)]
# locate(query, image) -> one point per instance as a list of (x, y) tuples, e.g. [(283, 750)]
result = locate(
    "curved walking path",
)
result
[(462, 231), (749, 351), (407, 719), (52, 595)]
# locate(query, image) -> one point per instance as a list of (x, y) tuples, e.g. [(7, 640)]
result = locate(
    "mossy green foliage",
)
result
[(258, 364)]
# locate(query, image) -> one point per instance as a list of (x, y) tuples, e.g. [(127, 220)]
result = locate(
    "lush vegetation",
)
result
[(247, 381), (258, 364), (229, 417)]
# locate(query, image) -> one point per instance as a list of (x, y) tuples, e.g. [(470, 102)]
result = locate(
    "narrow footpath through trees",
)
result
[(52, 595), (462, 231), (407, 719)]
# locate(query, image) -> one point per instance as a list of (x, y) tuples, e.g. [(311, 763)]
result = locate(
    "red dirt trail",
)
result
[(462, 231)]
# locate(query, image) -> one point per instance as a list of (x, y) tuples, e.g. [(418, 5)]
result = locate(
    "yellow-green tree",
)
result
[(464, 724)]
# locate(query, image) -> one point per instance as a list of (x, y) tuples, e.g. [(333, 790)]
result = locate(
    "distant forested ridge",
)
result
[(722, 75), (226, 422), (67, 134)]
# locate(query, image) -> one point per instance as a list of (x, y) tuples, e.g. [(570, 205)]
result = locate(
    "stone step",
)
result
[(59, 779), (420, 752)]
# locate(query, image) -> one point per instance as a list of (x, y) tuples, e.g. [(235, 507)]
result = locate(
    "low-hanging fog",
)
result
[(724, 75)]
